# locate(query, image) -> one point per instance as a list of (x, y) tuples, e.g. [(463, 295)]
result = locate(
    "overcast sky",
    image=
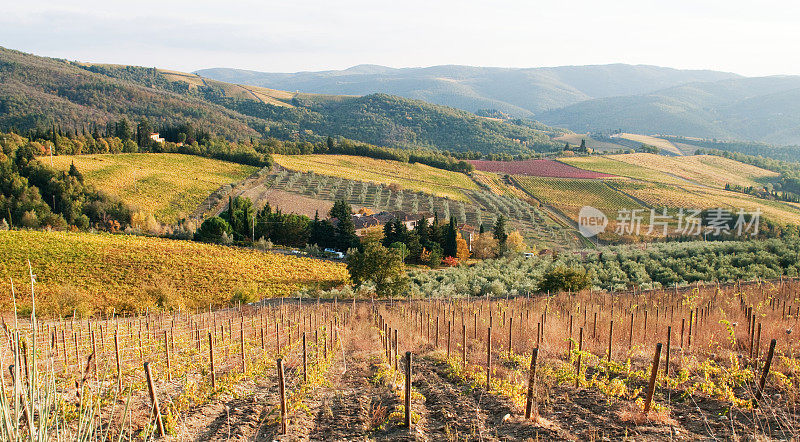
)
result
[(747, 37)]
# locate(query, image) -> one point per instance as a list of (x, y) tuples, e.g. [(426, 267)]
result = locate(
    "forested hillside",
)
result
[(44, 93)]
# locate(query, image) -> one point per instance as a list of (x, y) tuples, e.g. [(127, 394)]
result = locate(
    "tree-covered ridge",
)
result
[(394, 121), (378, 119), (38, 92), (41, 92)]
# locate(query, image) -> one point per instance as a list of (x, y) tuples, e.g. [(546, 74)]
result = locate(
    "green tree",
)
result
[(143, 131), (451, 239), (562, 278), (388, 234), (346, 237), (122, 130), (500, 230), (381, 265), (212, 230), (422, 230), (435, 256)]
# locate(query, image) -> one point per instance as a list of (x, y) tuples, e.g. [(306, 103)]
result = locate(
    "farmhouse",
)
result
[(364, 222), (469, 233)]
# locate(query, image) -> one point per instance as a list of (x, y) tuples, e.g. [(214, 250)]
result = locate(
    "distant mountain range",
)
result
[(765, 109), (519, 92), (601, 98)]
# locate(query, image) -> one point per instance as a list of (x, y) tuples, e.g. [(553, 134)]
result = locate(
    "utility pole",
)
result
[(254, 228)]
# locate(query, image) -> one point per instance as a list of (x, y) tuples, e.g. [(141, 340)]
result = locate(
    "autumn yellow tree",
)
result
[(485, 246), (515, 242), (462, 252)]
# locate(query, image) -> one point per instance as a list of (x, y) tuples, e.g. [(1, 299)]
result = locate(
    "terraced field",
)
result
[(170, 186), (496, 184), (696, 197), (536, 167), (414, 177)]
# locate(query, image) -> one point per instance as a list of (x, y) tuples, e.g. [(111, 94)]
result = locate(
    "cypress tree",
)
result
[(450, 239), (422, 231), (388, 234), (500, 230)]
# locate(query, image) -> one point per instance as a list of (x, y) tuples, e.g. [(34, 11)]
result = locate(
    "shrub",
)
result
[(246, 294), (66, 301), (562, 278), (450, 261), (263, 244), (214, 229), (164, 294)]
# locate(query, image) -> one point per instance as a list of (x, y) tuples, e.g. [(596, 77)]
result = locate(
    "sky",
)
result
[(751, 38)]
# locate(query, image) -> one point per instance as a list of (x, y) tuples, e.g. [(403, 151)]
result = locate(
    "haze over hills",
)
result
[(765, 109), (518, 92), (603, 98)]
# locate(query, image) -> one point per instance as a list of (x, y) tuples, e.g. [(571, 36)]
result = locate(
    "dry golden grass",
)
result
[(415, 177), (611, 164), (170, 186), (193, 80), (273, 93), (575, 140), (496, 184), (652, 141), (707, 170)]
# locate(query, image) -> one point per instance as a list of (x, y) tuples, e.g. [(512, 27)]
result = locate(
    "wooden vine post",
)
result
[(407, 419), (282, 392), (488, 358), (154, 399), (305, 360), (211, 360), (166, 350), (762, 383), (119, 366), (651, 387), (580, 354), (531, 383), (464, 344)]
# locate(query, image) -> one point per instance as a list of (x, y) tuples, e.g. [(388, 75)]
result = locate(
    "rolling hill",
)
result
[(762, 109), (170, 186), (636, 99), (518, 92), (40, 92)]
